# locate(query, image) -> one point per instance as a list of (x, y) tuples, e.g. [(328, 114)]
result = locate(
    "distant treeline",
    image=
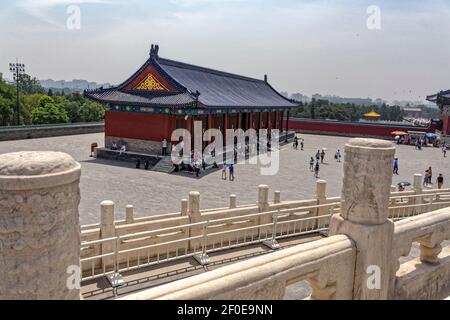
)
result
[(41, 106), (323, 109)]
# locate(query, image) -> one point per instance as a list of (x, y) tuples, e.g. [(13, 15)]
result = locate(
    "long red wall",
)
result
[(350, 129), (153, 127)]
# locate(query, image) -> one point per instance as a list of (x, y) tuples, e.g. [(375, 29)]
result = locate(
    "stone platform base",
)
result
[(132, 157)]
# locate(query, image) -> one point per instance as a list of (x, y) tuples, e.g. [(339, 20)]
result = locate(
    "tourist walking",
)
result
[(302, 144), (231, 168), (430, 175), (311, 164), (322, 156), (440, 181), (318, 155), (337, 156), (316, 170), (224, 171), (425, 179), (395, 171), (164, 147), (444, 150), (296, 143)]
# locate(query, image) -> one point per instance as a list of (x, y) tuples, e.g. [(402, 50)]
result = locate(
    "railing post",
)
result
[(321, 197), (272, 243), (233, 201), (39, 226), (129, 213), (203, 258), (263, 206), (107, 230), (184, 207), (418, 190), (194, 217), (364, 214), (277, 197), (263, 197)]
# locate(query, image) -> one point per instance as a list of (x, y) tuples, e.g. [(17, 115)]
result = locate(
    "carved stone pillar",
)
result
[(364, 214), (107, 230), (321, 187), (39, 226)]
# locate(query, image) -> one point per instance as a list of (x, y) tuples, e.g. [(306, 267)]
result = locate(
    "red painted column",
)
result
[(239, 115), (269, 122), (281, 121), (287, 125), (225, 127)]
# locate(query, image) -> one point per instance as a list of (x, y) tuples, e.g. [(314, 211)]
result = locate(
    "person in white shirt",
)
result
[(123, 149), (164, 147)]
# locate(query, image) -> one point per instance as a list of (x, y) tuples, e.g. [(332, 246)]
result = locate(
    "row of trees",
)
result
[(323, 109), (38, 106)]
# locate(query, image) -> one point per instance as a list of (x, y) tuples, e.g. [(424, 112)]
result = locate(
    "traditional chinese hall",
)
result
[(164, 95)]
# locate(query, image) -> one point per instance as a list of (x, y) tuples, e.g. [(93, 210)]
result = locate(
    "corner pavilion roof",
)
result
[(163, 82), (440, 98), (372, 114)]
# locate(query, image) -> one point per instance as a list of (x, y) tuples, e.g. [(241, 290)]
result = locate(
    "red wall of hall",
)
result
[(153, 127), (348, 129)]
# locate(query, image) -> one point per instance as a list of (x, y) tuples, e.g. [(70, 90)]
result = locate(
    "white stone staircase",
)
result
[(164, 165)]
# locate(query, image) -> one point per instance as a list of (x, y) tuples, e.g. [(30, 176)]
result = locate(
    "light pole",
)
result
[(17, 70)]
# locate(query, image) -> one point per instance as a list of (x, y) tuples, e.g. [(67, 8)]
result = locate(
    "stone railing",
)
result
[(427, 275), (326, 264), (40, 238), (362, 234), (145, 238)]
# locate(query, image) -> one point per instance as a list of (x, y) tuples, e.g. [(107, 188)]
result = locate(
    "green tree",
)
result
[(91, 111), (29, 85), (7, 104), (48, 112)]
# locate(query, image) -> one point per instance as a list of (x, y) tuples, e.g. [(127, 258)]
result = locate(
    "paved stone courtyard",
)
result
[(157, 193)]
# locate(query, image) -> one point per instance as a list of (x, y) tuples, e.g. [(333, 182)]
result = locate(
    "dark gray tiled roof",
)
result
[(442, 94), (223, 89), (116, 96), (217, 89)]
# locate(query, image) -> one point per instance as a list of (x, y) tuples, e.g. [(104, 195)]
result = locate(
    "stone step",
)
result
[(164, 165)]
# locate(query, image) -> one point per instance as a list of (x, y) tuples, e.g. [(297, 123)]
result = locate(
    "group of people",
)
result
[(146, 164), (420, 142), (230, 168), (296, 142), (122, 149), (427, 179)]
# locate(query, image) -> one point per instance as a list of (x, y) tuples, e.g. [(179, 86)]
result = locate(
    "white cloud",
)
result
[(40, 9)]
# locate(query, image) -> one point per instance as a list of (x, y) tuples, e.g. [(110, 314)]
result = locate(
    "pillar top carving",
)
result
[(37, 169), (370, 143)]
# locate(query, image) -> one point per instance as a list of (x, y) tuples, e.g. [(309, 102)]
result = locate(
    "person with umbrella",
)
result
[(402, 185)]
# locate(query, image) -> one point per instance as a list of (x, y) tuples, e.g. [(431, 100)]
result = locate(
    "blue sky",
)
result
[(311, 46)]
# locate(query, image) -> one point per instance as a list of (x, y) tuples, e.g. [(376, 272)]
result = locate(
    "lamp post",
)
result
[(17, 70)]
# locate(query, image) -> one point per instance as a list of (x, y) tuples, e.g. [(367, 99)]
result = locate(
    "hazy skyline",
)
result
[(312, 46)]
